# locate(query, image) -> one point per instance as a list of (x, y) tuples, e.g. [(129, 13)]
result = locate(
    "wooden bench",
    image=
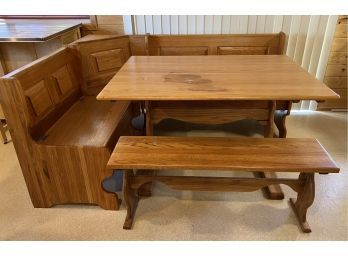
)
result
[(274, 155), (62, 135)]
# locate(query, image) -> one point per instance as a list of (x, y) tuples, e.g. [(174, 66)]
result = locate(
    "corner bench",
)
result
[(306, 156), (62, 135)]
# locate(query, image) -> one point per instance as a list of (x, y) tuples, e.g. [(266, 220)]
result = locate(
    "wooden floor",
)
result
[(176, 215)]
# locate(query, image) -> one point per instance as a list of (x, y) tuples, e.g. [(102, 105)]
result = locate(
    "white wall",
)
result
[(308, 40)]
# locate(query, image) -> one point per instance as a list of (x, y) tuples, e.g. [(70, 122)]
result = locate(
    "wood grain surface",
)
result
[(248, 154), (87, 123), (247, 77)]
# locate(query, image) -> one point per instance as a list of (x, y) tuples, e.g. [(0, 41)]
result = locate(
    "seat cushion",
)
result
[(87, 123)]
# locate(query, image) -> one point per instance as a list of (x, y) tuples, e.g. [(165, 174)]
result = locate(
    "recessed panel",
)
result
[(63, 80), (108, 60), (39, 99), (243, 50), (196, 50)]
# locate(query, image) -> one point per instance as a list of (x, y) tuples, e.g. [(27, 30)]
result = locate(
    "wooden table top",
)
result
[(214, 77), (23, 30)]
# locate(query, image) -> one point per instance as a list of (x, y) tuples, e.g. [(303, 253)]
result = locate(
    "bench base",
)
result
[(304, 186)]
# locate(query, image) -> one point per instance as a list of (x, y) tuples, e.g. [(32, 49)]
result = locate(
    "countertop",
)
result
[(34, 30)]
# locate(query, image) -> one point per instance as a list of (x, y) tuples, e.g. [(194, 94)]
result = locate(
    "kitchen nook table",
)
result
[(216, 90)]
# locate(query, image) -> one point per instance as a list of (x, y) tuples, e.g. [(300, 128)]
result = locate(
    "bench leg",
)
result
[(130, 197), (305, 198), (273, 192)]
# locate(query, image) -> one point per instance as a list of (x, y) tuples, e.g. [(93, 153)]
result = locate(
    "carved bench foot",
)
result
[(303, 224), (130, 197), (305, 198)]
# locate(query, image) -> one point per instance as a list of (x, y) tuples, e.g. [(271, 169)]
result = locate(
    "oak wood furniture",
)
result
[(209, 78), (274, 155), (263, 44), (63, 138), (96, 59), (336, 70), (103, 55), (95, 49), (215, 89)]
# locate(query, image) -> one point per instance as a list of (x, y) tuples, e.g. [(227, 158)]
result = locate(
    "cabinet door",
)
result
[(336, 70)]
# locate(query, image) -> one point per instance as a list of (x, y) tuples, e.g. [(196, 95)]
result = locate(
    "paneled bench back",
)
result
[(101, 57), (48, 87), (259, 44)]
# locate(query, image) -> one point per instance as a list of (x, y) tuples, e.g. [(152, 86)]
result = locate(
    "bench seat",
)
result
[(303, 155), (87, 123), (203, 153)]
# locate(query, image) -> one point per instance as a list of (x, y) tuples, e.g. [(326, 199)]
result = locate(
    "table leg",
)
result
[(279, 119), (138, 122), (273, 192), (146, 189)]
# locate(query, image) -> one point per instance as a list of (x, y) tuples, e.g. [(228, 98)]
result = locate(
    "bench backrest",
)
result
[(101, 57), (259, 44), (43, 90)]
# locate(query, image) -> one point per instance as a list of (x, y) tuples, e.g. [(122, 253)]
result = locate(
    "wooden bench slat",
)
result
[(87, 123), (245, 154)]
